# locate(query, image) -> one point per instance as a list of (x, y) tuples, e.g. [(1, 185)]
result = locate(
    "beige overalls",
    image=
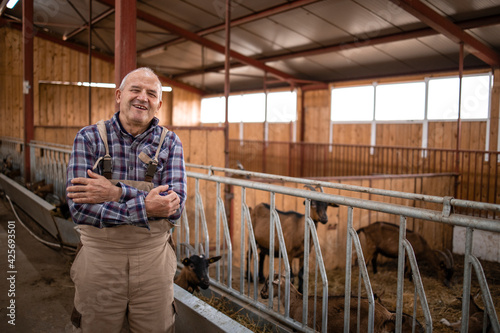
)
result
[(125, 271)]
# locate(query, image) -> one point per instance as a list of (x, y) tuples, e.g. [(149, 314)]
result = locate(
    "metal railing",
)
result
[(445, 215)]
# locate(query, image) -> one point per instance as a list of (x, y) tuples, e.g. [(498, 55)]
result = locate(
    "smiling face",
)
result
[(139, 101)]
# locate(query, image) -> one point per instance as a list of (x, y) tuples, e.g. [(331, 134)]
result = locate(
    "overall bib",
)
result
[(125, 271)]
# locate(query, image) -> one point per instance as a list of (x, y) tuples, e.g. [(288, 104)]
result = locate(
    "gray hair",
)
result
[(146, 69)]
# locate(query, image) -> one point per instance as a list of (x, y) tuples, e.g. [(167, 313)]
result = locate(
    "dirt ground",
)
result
[(443, 302), (43, 291)]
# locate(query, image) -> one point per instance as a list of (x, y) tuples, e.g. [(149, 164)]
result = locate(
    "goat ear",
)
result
[(331, 204), (213, 259)]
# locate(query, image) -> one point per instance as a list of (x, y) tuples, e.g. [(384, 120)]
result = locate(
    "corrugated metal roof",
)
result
[(320, 41)]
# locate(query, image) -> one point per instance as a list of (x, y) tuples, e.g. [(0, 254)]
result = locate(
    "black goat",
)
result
[(194, 274)]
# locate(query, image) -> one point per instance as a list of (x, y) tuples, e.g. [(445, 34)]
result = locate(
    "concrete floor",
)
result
[(43, 288)]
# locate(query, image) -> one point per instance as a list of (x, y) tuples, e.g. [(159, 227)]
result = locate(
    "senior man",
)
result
[(126, 184)]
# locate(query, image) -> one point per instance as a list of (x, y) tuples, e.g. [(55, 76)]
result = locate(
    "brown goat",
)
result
[(194, 274), (384, 320), (383, 238), (476, 319), (292, 224)]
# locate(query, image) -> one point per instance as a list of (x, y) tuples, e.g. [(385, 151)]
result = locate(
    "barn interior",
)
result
[(61, 60)]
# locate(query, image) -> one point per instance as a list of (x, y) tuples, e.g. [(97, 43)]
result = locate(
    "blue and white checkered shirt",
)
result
[(124, 150)]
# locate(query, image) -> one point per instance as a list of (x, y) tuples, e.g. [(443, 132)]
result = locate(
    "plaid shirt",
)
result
[(124, 150)]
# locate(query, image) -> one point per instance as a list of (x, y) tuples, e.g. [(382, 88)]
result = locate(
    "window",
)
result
[(403, 101), (246, 108), (352, 104), (213, 110), (443, 97), (406, 101), (475, 97), (282, 107)]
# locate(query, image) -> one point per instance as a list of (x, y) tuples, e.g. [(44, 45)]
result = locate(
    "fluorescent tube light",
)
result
[(11, 3)]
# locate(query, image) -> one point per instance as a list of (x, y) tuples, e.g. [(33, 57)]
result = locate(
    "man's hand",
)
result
[(93, 190), (161, 206)]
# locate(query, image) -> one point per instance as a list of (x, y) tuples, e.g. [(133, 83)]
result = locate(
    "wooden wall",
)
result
[(61, 107), (11, 84), (206, 147)]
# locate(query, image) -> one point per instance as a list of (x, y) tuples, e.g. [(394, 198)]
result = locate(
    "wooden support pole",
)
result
[(28, 36), (125, 38)]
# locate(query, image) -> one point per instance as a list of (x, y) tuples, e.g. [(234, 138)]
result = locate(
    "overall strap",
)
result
[(153, 163), (106, 160)]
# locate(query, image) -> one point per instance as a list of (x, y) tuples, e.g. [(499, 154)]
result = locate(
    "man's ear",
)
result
[(159, 106), (118, 95)]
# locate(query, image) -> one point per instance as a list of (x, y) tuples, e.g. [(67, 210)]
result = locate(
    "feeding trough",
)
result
[(41, 211)]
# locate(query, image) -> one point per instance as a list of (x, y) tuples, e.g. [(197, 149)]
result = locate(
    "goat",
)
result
[(292, 224), (384, 320), (476, 319), (383, 238), (194, 274)]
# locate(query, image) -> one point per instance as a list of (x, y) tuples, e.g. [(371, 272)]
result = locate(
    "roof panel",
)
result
[(275, 35), (353, 19), (317, 29)]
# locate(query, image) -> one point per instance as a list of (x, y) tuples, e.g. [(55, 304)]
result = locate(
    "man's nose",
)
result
[(142, 96)]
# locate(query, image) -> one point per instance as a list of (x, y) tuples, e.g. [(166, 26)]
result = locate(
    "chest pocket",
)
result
[(151, 163)]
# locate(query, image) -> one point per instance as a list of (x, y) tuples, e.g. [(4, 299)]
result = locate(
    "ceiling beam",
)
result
[(95, 20), (158, 22), (449, 29), (236, 22), (419, 33), (3, 5)]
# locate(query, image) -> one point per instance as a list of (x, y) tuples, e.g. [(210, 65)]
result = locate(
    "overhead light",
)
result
[(11, 3)]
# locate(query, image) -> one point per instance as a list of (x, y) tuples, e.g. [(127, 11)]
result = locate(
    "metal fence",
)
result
[(48, 162), (478, 171), (248, 293)]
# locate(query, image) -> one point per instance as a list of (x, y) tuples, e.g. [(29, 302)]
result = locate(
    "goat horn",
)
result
[(320, 188), (310, 187), (189, 247), (450, 255)]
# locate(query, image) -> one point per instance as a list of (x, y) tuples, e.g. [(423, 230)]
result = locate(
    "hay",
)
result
[(443, 302), (223, 305)]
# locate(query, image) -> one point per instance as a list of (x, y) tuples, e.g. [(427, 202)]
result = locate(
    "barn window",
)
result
[(352, 103), (213, 110), (443, 97), (401, 101), (250, 108), (247, 108), (282, 107)]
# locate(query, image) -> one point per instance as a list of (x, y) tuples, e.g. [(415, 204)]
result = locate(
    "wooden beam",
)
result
[(192, 36), (28, 100), (449, 29), (125, 38)]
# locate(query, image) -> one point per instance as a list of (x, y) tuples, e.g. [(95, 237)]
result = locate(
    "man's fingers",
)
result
[(93, 174), (159, 189), (80, 181), (75, 188)]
